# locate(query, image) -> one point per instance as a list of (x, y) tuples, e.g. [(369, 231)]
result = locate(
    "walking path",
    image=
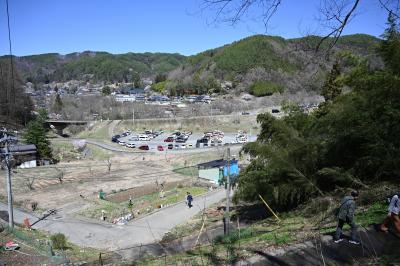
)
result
[(323, 251), (96, 234)]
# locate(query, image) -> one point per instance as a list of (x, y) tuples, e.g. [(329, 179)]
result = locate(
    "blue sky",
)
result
[(120, 26)]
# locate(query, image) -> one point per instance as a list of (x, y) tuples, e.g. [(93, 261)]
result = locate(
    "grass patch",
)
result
[(264, 88), (374, 214), (99, 131), (144, 204), (39, 241), (99, 153), (192, 171)]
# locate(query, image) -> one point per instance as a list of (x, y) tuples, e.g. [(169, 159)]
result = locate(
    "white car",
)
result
[(144, 137), (130, 145), (121, 142), (134, 138)]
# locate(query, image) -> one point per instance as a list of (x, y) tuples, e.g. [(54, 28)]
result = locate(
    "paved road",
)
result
[(96, 234)]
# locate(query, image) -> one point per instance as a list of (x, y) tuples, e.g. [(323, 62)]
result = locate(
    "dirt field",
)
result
[(83, 179)]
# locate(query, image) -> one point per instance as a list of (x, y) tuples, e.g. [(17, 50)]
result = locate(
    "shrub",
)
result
[(59, 241), (264, 88)]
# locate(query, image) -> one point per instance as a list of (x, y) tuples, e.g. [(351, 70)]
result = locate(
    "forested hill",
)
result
[(286, 63), (96, 66), (271, 58)]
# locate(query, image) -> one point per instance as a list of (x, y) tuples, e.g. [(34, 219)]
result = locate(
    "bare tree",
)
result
[(109, 164), (29, 180), (334, 15)]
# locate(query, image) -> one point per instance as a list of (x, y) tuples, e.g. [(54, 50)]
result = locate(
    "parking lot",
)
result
[(155, 143)]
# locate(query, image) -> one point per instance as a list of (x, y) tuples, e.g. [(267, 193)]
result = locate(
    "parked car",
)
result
[(121, 142), (158, 132), (170, 146), (134, 138), (275, 111), (144, 147), (160, 148), (183, 146), (187, 133), (169, 139), (144, 137), (180, 140), (176, 146), (203, 140), (115, 138), (245, 113), (189, 145), (127, 133), (130, 145), (176, 134)]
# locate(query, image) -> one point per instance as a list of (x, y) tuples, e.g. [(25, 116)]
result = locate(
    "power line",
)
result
[(11, 58)]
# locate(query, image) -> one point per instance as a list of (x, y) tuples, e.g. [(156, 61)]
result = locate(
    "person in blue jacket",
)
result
[(189, 199)]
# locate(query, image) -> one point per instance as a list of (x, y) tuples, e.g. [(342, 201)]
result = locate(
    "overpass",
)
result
[(60, 125)]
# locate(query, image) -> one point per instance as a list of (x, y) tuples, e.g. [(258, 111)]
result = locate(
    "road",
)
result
[(106, 236)]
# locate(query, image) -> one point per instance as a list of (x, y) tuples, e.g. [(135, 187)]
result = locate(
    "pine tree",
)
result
[(332, 88), (58, 104), (36, 134), (390, 48)]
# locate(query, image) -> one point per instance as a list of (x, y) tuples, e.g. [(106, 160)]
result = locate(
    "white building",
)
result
[(125, 98)]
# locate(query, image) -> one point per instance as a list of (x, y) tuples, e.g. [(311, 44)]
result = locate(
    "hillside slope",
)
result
[(290, 63), (96, 66)]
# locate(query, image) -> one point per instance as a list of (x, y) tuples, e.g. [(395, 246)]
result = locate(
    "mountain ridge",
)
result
[(276, 57)]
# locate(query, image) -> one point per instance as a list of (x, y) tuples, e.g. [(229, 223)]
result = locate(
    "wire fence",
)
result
[(37, 243)]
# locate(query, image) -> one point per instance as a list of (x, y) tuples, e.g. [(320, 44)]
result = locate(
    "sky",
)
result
[(172, 26)]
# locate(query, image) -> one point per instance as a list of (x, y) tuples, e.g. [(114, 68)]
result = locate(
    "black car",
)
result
[(180, 140), (170, 146), (115, 138), (203, 140), (275, 111)]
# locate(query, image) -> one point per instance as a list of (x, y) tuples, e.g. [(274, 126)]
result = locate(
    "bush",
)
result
[(59, 241), (264, 88)]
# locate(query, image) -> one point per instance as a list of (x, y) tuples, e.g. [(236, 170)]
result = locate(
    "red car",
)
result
[(169, 139), (160, 148), (144, 147)]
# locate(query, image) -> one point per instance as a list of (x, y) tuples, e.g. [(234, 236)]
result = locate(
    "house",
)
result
[(214, 171), (133, 91), (125, 98), (24, 155)]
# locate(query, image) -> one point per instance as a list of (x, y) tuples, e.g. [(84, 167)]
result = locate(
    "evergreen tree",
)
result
[(390, 48), (58, 104), (136, 80), (332, 88), (36, 134), (106, 90)]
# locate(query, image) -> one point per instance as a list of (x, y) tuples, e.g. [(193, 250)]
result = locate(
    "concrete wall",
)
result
[(211, 174)]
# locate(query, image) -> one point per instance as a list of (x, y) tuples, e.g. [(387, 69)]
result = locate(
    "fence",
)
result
[(33, 240)]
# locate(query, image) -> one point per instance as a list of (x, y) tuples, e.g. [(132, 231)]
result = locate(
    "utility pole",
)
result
[(228, 191), (133, 115), (9, 188)]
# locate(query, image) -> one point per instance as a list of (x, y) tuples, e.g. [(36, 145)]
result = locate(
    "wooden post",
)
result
[(269, 208)]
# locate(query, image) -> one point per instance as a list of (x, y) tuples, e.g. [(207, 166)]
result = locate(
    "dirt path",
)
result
[(323, 251)]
